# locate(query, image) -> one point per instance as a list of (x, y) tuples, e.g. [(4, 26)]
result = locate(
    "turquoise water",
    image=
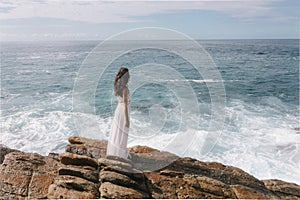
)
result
[(261, 80)]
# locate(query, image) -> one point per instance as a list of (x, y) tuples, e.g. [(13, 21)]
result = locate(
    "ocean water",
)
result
[(260, 107)]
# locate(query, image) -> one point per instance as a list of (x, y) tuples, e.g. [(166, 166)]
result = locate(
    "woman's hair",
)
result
[(121, 80)]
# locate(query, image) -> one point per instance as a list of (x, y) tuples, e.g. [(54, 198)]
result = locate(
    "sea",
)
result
[(246, 116)]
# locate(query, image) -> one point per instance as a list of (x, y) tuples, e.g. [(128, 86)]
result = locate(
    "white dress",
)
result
[(118, 136)]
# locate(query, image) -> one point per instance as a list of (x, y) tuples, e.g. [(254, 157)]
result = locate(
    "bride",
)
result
[(118, 137)]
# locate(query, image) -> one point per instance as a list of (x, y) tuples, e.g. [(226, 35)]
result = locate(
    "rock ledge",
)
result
[(85, 172)]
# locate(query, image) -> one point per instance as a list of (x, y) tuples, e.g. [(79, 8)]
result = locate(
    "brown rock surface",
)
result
[(90, 175), (171, 185), (282, 188), (58, 192), (3, 151), (84, 171), (71, 187), (88, 147), (123, 180), (226, 174), (114, 163), (79, 160), (153, 160), (141, 149), (27, 175), (112, 191), (244, 192)]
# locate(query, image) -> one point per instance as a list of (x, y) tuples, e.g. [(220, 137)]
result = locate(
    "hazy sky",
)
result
[(99, 19)]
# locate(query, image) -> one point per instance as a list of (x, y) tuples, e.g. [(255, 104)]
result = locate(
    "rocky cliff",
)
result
[(84, 171)]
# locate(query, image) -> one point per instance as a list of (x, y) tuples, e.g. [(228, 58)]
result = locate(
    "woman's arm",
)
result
[(125, 99)]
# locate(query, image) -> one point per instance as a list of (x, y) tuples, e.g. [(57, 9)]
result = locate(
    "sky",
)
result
[(23, 20)]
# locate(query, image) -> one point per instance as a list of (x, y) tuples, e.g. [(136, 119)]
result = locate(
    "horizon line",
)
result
[(207, 39)]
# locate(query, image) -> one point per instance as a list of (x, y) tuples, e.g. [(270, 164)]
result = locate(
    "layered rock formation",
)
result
[(84, 171)]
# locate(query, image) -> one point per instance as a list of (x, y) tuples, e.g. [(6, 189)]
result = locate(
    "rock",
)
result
[(79, 160), (54, 156), (282, 188), (27, 175), (123, 180), (153, 161), (88, 147), (107, 162), (112, 191), (244, 192), (149, 173), (3, 151), (117, 158), (39, 184), (89, 175), (212, 186), (14, 181), (171, 173), (162, 187), (79, 149), (87, 141), (58, 192), (133, 173), (172, 185), (141, 149), (70, 187), (234, 175), (226, 174)]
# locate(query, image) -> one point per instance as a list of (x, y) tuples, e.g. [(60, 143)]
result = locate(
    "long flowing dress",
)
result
[(118, 136)]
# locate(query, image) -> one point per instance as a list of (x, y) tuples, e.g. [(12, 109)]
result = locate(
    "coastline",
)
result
[(84, 171)]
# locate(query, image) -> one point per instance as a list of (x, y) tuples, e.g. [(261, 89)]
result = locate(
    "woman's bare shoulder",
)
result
[(125, 90)]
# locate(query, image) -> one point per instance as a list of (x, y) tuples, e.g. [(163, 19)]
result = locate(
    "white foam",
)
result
[(197, 81), (27, 131), (258, 138)]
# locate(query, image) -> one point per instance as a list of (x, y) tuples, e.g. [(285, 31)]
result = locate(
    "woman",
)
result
[(118, 137)]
